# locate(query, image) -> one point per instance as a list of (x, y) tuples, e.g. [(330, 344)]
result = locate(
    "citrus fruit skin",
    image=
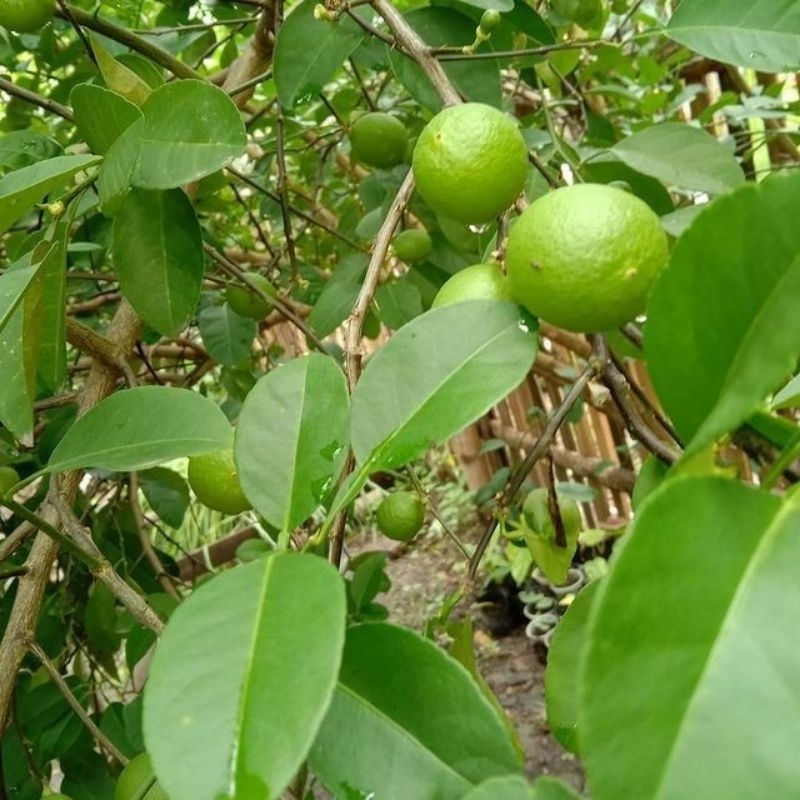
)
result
[(412, 245), (478, 282), (584, 257), (214, 480), (248, 304), (400, 516), (470, 162), (585, 13), (138, 781), (378, 140), (26, 16), (9, 478)]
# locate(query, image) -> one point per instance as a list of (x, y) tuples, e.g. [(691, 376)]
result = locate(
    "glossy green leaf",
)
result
[(102, 116), (235, 696), (413, 718), (119, 78), (333, 305), (478, 80), (325, 47), (141, 427), (167, 493), (116, 171), (437, 374), (723, 330), (552, 789), (691, 657), (507, 787), (398, 303), (22, 148), (564, 660), (762, 35), (51, 355), (13, 284), (191, 129), (681, 156), (227, 337), (789, 395), (21, 189), (291, 439), (158, 254)]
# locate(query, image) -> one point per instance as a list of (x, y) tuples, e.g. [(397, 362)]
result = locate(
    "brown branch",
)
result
[(255, 59), (36, 99)]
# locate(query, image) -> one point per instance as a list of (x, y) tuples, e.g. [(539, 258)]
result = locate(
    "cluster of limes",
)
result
[(26, 16)]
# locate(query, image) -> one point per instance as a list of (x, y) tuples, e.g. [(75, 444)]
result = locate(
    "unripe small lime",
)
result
[(400, 516), (138, 781), (9, 478), (586, 13), (412, 245), (247, 303), (489, 20), (478, 282), (26, 16), (215, 482), (378, 139)]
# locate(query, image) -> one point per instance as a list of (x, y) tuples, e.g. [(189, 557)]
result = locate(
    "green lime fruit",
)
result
[(470, 162), (478, 282), (26, 16), (379, 140), (412, 245), (138, 781), (552, 558), (586, 13), (490, 19), (215, 482), (247, 303), (400, 516), (585, 257), (9, 478)]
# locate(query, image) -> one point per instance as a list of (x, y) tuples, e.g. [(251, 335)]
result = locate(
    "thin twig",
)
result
[(75, 705), (36, 99)]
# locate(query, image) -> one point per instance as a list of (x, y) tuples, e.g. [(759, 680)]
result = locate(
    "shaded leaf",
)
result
[(227, 337), (167, 493), (723, 330), (291, 439), (698, 607), (138, 428), (119, 78), (507, 787), (102, 116), (232, 682), (158, 255)]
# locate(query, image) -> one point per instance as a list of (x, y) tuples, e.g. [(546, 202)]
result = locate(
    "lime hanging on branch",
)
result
[(26, 16), (478, 282), (470, 163), (585, 257), (9, 478), (215, 481), (247, 303), (400, 516), (412, 245), (138, 781), (379, 140)]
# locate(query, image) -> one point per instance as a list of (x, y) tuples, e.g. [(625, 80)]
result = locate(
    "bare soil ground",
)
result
[(422, 575)]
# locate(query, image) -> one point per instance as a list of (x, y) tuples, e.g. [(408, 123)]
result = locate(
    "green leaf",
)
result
[(117, 168), (51, 356), (158, 255), (324, 45), (723, 330), (762, 35), (435, 376), (119, 78), (398, 303), (227, 337), (291, 439), (191, 129), (102, 116), (691, 659), (138, 428), (564, 660), (13, 285), (21, 189), (788, 396), (167, 493), (553, 789), (333, 305), (235, 696), (478, 80), (22, 148), (682, 156), (400, 694), (506, 787)]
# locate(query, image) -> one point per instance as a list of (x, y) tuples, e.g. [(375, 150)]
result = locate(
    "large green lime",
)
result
[(585, 257), (400, 516), (215, 481), (378, 139), (470, 162), (26, 16), (245, 302), (478, 282)]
